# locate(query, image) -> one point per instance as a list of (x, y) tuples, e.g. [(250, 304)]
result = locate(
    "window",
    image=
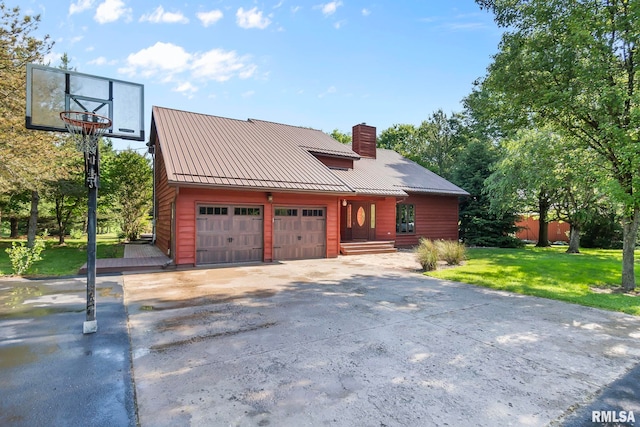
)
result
[(373, 215), (405, 219), (312, 212), (247, 211), (210, 210), (286, 212)]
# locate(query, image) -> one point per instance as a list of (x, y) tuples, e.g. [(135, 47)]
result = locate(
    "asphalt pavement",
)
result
[(50, 373)]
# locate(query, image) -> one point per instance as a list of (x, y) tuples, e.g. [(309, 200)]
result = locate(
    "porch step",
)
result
[(371, 247)]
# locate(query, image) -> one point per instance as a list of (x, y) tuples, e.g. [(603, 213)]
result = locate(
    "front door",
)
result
[(360, 221)]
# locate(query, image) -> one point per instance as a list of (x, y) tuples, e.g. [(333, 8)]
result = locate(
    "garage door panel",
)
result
[(228, 234), (299, 233)]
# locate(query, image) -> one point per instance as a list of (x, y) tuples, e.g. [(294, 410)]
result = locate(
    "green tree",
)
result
[(479, 225), (575, 66), (69, 194), (25, 155), (343, 138), (401, 138), (128, 180), (439, 142)]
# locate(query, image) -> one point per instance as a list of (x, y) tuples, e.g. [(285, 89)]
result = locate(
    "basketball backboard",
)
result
[(51, 91)]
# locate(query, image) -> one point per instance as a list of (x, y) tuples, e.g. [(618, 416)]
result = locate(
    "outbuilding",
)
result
[(230, 191)]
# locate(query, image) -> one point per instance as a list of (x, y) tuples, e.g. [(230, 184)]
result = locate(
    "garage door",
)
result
[(228, 234), (299, 233)]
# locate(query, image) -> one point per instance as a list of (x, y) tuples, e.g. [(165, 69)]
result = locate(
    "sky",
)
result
[(314, 63)]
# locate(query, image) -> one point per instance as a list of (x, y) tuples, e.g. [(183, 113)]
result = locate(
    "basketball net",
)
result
[(85, 129)]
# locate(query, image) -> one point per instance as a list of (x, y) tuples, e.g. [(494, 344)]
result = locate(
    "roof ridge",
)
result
[(201, 114), (284, 124)]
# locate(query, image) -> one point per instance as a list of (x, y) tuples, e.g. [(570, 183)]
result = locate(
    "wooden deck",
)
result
[(137, 257)]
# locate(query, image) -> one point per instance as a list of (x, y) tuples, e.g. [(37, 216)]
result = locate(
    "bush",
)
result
[(76, 234), (23, 257), (427, 254), (452, 252)]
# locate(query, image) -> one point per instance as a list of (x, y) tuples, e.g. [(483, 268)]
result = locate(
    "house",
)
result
[(229, 190)]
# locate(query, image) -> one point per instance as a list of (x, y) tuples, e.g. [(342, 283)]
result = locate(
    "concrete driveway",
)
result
[(363, 341)]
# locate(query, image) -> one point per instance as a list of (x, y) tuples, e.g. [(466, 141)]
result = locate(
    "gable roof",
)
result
[(200, 149)]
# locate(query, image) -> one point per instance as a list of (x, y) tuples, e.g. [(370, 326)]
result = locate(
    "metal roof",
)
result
[(391, 174), (200, 149), (209, 150)]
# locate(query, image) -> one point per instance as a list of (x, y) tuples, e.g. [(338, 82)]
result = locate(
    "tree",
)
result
[(343, 138), (128, 179), (25, 155), (479, 226), (440, 145), (69, 193), (544, 172), (401, 138), (575, 66)]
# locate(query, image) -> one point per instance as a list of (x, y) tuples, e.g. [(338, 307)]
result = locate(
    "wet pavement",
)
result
[(50, 373), (362, 340), (365, 341)]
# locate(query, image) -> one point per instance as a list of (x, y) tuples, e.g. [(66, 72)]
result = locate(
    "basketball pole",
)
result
[(92, 180)]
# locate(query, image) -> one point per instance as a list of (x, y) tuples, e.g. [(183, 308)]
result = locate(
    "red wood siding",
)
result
[(386, 219), (189, 198), (558, 231), (436, 218), (364, 140), (164, 196), (335, 162)]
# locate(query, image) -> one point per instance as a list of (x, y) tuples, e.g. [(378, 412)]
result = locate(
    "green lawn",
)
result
[(63, 260), (548, 273)]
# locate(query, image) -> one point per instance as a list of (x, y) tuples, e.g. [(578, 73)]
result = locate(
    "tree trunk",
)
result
[(574, 239), (630, 234), (33, 219), (14, 226), (543, 225)]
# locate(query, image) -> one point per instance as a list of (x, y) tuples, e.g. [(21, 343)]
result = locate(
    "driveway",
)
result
[(363, 341)]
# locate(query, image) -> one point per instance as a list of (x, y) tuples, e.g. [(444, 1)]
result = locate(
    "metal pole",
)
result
[(91, 168)]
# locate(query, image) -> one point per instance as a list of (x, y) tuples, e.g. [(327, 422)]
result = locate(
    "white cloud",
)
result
[(209, 18), (294, 9), (111, 11), (161, 58), (248, 94), (166, 61), (330, 90), (221, 65), (366, 12), (161, 16), (80, 6), (339, 24), (252, 19), (101, 60), (186, 88), (329, 8)]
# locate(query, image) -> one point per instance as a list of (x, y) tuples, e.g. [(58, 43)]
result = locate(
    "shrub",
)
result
[(22, 257), (76, 234), (452, 252), (427, 254)]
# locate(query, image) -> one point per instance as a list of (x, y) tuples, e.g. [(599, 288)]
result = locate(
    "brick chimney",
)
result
[(364, 140)]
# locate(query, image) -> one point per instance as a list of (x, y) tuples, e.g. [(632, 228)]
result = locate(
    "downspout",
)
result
[(152, 151)]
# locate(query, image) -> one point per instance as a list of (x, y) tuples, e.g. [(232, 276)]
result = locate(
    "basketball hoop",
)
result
[(86, 129)]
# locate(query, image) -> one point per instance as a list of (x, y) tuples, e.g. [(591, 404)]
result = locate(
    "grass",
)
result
[(63, 260), (549, 273)]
